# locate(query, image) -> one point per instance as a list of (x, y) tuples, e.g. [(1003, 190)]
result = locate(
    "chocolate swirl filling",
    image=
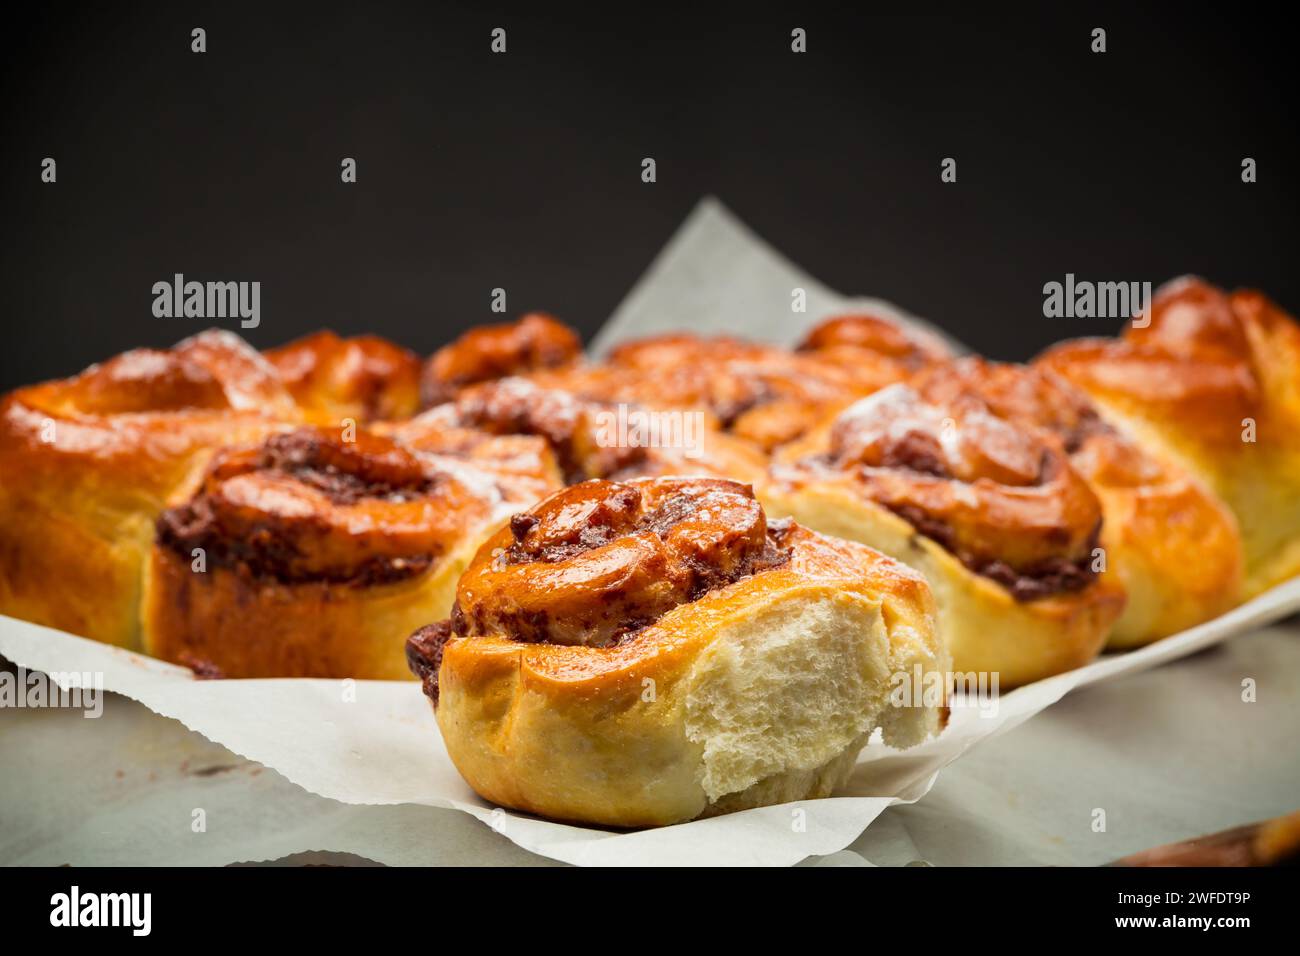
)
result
[(1044, 579), (601, 561), (424, 655), (998, 497), (516, 406), (281, 545)]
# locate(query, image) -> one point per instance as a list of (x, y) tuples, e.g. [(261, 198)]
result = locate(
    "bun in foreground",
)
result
[(647, 652)]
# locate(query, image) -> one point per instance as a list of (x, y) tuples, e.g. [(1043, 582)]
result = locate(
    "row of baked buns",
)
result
[(630, 632), (1109, 494), (1047, 524), (286, 514)]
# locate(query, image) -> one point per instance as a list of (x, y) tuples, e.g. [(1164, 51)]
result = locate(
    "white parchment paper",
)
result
[(376, 743), (717, 277), (1171, 753)]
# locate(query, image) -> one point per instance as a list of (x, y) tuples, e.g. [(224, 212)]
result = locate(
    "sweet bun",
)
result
[(875, 350), (761, 393), (1174, 545), (1212, 383), (365, 378), (601, 439), (535, 342), (315, 553), (647, 652), (1001, 525), (87, 463), (522, 467)]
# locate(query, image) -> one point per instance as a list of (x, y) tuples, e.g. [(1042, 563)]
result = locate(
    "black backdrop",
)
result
[(523, 170)]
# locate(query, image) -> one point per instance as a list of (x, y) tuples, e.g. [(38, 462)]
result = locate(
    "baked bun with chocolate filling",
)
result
[(522, 466), (1213, 383), (87, 463), (365, 378), (995, 517), (1174, 545), (875, 350), (762, 393), (601, 439), (536, 341), (316, 553), (647, 652)]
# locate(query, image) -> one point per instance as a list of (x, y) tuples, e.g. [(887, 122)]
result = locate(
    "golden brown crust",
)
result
[(213, 371), (1210, 384), (601, 559), (313, 554), (764, 394), (87, 463), (523, 466), (592, 438), (364, 378), (1192, 366), (997, 519), (581, 668), (313, 504), (584, 706), (223, 624), (1274, 338), (1002, 499), (876, 351), (536, 341), (1176, 547)]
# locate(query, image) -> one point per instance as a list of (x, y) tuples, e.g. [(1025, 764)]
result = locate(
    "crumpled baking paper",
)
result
[(715, 276), (376, 743), (1169, 754)]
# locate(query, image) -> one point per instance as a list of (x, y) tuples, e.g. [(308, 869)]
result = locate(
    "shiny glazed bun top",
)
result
[(316, 505), (568, 423), (366, 378), (130, 429), (536, 341), (1028, 397), (1003, 499), (598, 562), (600, 559), (1205, 362), (859, 336), (762, 393), (211, 371), (584, 433)]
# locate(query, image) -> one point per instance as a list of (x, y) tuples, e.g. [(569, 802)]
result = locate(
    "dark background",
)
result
[(523, 171)]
